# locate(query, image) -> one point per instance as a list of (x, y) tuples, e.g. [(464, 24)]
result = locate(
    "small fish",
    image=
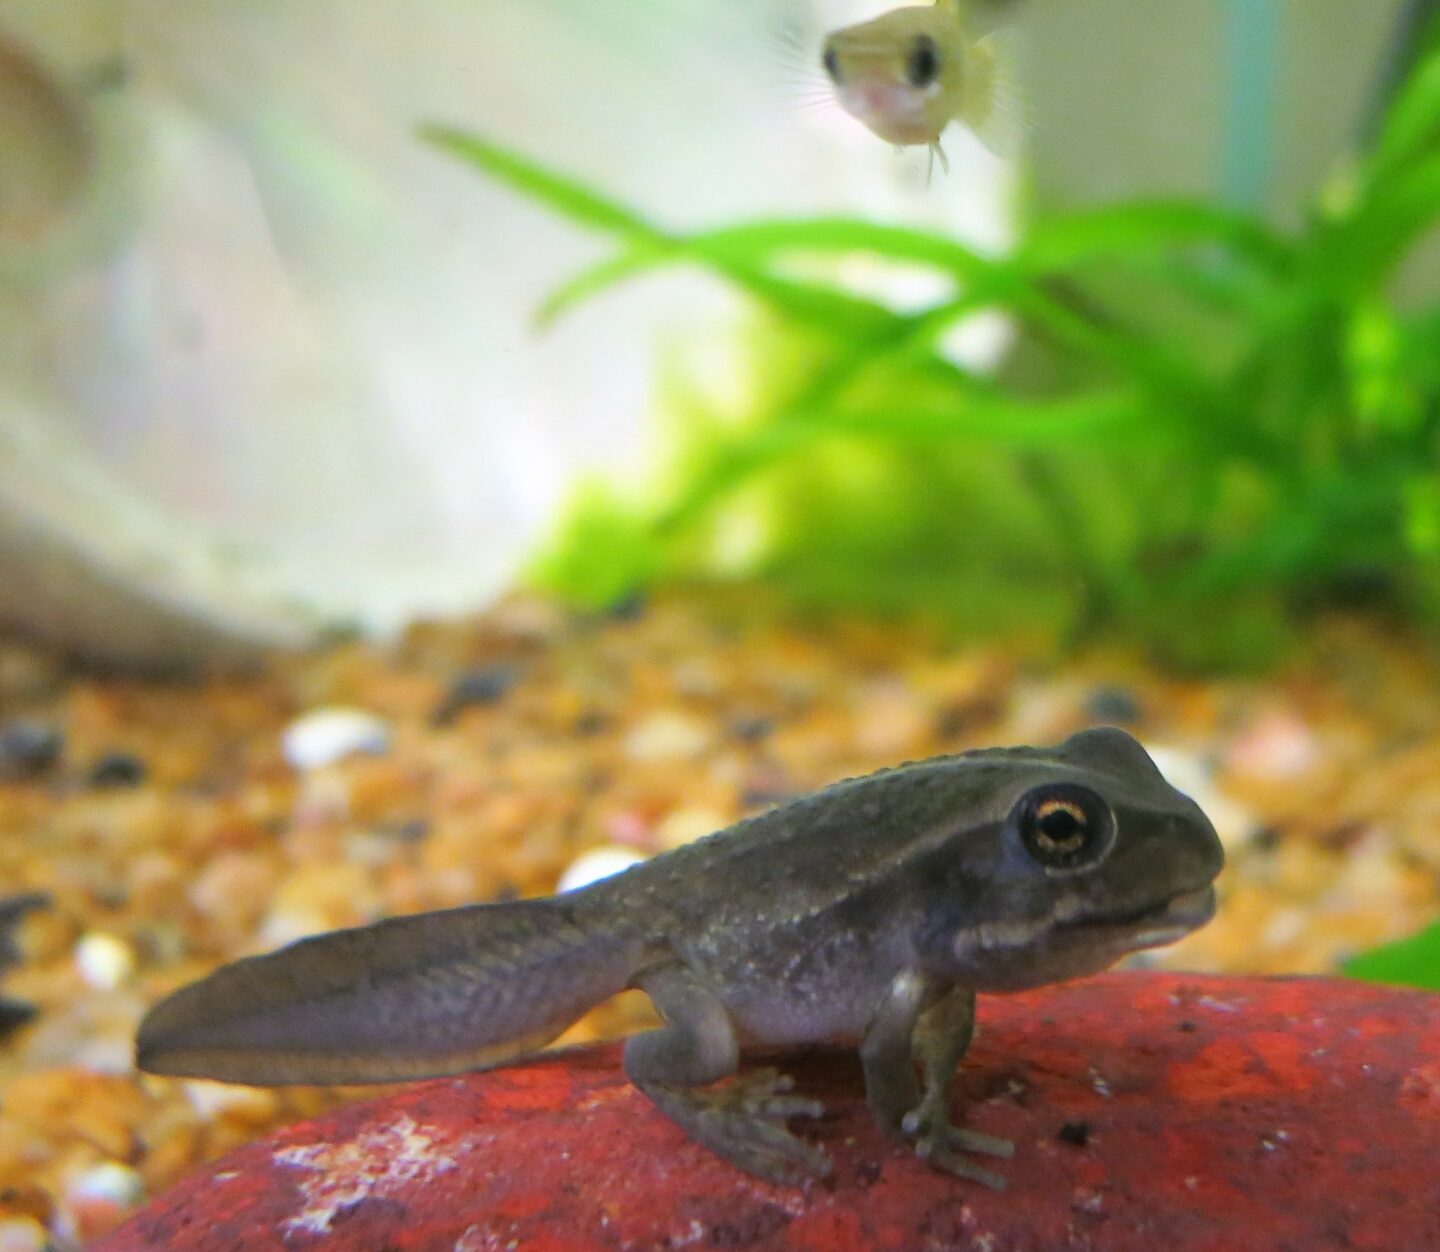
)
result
[(912, 71)]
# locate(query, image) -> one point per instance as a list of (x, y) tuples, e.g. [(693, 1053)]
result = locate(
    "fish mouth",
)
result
[(1154, 925), (896, 114)]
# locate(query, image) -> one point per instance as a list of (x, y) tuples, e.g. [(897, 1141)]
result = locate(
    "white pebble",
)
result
[(109, 1182), (664, 735), (214, 1099), (284, 925), (890, 719), (1279, 746), (372, 849), (1285, 927), (1373, 869), (105, 961), (1233, 822), (685, 825), (596, 864), (22, 1234), (108, 1053), (324, 736)]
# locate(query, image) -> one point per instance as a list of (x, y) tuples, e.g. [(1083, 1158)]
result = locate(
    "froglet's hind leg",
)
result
[(915, 1019), (885, 1052), (743, 1121), (941, 1038)]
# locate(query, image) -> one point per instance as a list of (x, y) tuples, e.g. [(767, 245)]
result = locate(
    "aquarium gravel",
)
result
[(502, 753)]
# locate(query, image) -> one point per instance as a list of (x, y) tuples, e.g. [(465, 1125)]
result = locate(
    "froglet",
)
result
[(868, 913)]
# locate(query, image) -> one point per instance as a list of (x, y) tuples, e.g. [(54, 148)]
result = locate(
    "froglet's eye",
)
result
[(831, 61), (1064, 826), (922, 62)]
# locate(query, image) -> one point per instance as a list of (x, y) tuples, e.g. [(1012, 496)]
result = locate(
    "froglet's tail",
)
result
[(412, 997)]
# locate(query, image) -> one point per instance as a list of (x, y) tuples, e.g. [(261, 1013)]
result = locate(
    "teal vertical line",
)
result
[(1252, 42)]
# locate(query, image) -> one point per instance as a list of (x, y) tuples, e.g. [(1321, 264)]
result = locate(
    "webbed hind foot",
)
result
[(745, 1123), (940, 1144)]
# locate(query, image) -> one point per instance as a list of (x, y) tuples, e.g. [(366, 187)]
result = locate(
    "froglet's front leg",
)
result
[(917, 1019)]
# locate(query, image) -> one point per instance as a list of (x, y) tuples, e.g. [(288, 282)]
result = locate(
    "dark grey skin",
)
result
[(871, 912)]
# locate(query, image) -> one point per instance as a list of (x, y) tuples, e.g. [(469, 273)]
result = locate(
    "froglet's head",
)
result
[(1083, 854)]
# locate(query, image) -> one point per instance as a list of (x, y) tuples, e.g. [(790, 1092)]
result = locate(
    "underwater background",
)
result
[(448, 451)]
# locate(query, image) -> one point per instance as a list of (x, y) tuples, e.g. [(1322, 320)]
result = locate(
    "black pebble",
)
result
[(1076, 1133), (1116, 706), (12, 909), (628, 608), (117, 769), (14, 1014), (953, 721), (485, 685), (1266, 840), (411, 832), (751, 729), (27, 749)]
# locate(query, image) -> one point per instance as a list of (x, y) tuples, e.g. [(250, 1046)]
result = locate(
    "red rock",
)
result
[(1199, 1114)]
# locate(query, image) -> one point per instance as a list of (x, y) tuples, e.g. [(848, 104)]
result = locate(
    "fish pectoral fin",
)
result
[(992, 108)]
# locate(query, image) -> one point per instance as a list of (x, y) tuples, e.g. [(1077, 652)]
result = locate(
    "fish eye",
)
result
[(922, 62), (831, 61), (1064, 826)]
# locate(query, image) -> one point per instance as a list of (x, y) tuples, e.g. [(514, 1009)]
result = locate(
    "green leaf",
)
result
[(992, 420), (1419, 353), (652, 245), (1380, 390), (1055, 246), (995, 420), (760, 242), (1293, 409), (1412, 122), (1422, 516), (1062, 243), (1363, 251), (1412, 962), (566, 196), (1181, 393), (597, 279), (745, 253), (602, 551), (814, 304)]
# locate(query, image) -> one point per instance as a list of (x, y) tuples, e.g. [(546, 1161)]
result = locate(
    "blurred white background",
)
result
[(267, 362), (270, 359)]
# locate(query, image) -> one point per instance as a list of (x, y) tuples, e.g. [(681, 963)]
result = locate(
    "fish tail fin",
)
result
[(411, 997), (991, 105)]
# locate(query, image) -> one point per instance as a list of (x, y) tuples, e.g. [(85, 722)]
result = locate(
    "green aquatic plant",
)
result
[(1208, 425), (1412, 962)]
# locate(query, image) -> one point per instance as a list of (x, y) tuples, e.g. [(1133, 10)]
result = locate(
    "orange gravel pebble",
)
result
[(573, 734)]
